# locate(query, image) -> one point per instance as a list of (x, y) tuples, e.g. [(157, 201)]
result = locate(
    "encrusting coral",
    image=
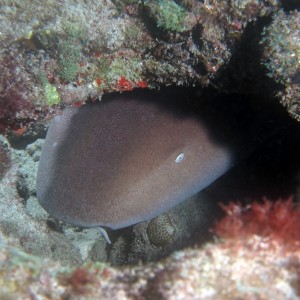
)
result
[(136, 44), (5, 161), (281, 57), (235, 270), (13, 92)]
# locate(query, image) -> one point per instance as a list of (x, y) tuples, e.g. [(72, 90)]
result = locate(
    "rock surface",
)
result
[(53, 56)]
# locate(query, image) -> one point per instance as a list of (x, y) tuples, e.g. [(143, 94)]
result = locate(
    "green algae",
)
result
[(52, 96), (70, 48), (50, 92), (168, 14)]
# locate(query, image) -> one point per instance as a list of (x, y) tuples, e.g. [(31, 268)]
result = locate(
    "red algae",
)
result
[(79, 279), (124, 85), (279, 220), (142, 84), (13, 98)]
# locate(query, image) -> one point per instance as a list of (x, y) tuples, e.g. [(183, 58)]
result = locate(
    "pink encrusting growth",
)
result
[(12, 91), (279, 220)]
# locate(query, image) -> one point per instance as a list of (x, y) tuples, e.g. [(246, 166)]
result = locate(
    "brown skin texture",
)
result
[(114, 164)]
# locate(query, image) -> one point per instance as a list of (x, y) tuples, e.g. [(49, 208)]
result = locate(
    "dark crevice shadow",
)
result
[(289, 5), (245, 73), (271, 171)]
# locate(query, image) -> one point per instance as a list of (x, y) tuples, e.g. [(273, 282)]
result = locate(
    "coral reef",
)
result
[(214, 272), (69, 49), (87, 49), (53, 56), (281, 42), (168, 15)]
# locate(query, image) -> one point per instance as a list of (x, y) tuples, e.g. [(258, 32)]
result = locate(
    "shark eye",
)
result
[(179, 158)]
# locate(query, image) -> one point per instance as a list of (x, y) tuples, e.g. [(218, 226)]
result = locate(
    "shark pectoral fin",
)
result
[(104, 234)]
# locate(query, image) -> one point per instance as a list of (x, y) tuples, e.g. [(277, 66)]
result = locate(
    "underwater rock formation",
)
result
[(54, 56), (72, 56), (5, 162), (254, 268), (281, 42)]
